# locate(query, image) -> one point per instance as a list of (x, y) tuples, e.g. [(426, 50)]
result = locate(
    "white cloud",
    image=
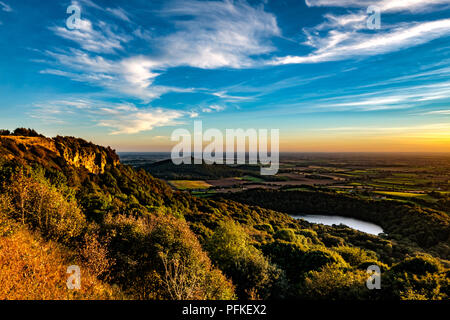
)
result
[(396, 98), (118, 109), (60, 111), (339, 3), (160, 138), (437, 112), (341, 45), (213, 108), (353, 20), (144, 34), (384, 5), (88, 3), (345, 36), (103, 40), (141, 120), (231, 98), (193, 114), (5, 7), (137, 71), (431, 128), (130, 76), (413, 97), (120, 13), (55, 72), (218, 34), (208, 35), (122, 118)]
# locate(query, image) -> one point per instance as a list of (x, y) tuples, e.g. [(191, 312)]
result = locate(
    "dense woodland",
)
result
[(136, 238), (167, 170), (407, 223)]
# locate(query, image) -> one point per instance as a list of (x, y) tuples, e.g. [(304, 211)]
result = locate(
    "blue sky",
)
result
[(133, 71)]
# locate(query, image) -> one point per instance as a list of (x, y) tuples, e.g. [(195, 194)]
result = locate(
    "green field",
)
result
[(251, 179), (406, 195)]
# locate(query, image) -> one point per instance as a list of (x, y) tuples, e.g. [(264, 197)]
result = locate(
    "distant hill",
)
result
[(166, 169)]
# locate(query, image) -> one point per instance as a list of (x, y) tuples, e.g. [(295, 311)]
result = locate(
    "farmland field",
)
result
[(423, 179), (189, 184)]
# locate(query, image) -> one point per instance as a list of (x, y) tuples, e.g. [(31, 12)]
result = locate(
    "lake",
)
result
[(360, 225)]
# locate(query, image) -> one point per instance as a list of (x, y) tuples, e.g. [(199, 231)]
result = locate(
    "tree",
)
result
[(249, 269), (20, 190)]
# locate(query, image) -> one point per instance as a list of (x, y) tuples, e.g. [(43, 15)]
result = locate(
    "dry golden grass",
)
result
[(32, 141), (32, 269), (189, 184)]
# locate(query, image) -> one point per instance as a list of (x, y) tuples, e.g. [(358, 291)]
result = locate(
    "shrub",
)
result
[(334, 283), (320, 257), (264, 227), (309, 234), (333, 241), (7, 226), (289, 256), (364, 265), (286, 235), (36, 202), (419, 265), (95, 255), (253, 275), (32, 269), (431, 286), (160, 258), (355, 256)]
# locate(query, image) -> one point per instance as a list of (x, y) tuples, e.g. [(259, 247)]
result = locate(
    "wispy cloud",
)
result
[(339, 45), (384, 5), (129, 76), (247, 91), (59, 111), (5, 7), (343, 36), (213, 108), (160, 138), (88, 3), (101, 40), (420, 130), (122, 118), (120, 13), (437, 112), (207, 35), (193, 114), (393, 98), (231, 98), (141, 120), (218, 33), (353, 20), (408, 97)]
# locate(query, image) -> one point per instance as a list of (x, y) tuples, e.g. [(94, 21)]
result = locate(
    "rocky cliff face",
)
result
[(71, 151), (80, 153)]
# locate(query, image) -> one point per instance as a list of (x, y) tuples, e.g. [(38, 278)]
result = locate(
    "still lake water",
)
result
[(360, 225)]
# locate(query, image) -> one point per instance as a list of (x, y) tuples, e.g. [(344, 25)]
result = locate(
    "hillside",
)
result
[(32, 268), (58, 152), (407, 223), (166, 169), (134, 233)]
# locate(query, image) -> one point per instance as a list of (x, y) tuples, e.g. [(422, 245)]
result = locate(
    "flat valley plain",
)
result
[(422, 178)]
